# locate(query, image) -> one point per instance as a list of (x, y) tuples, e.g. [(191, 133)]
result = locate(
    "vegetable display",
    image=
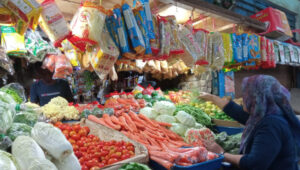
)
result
[(7, 161), (18, 129), (212, 110), (230, 144), (93, 152), (199, 115), (180, 97)]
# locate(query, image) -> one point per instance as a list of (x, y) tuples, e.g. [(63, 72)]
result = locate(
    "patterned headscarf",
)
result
[(263, 95)]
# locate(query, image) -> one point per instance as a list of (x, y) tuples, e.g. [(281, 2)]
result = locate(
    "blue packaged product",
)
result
[(122, 33), (140, 17), (229, 84), (110, 23), (148, 14), (237, 48), (245, 43), (221, 83), (133, 29)]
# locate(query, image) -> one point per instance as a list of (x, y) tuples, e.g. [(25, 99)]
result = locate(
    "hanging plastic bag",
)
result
[(36, 46), (88, 22), (122, 33), (237, 48), (254, 49), (49, 63), (155, 43), (150, 27), (63, 67), (111, 26), (71, 53), (245, 44), (134, 32), (53, 23), (201, 37), (141, 20), (5, 62), (6, 16), (13, 43), (106, 55), (16, 91), (217, 53), (165, 37), (176, 46), (228, 53)]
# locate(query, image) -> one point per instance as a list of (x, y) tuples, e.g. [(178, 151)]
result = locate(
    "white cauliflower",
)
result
[(164, 108)]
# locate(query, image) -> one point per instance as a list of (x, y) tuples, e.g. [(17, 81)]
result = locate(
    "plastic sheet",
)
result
[(53, 22), (134, 32), (217, 51), (16, 91), (176, 46), (201, 37), (88, 22), (5, 62), (165, 37)]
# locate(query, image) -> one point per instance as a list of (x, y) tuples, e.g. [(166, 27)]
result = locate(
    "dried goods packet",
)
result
[(5, 62)]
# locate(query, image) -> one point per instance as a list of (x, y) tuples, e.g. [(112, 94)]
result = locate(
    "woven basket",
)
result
[(108, 134)]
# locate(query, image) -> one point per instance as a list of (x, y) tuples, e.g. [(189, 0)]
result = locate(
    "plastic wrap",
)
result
[(155, 44), (165, 37), (228, 53), (5, 62), (69, 163), (63, 67), (141, 20), (271, 54), (245, 44), (18, 129), (176, 46), (122, 34), (199, 137), (88, 22), (6, 117), (12, 42), (134, 32), (188, 40), (52, 140), (7, 161), (263, 48), (217, 51), (106, 55), (36, 46), (49, 63), (150, 26), (26, 117), (5, 142), (195, 155), (229, 89), (16, 91), (201, 37), (237, 44), (72, 53), (53, 22)]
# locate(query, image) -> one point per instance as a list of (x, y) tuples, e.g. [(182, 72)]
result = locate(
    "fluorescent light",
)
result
[(225, 27), (200, 21), (181, 14)]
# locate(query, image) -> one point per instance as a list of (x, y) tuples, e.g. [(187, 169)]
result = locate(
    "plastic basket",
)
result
[(207, 165), (229, 130)]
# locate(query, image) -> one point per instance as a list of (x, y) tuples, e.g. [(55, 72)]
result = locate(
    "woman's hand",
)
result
[(214, 147), (220, 102)]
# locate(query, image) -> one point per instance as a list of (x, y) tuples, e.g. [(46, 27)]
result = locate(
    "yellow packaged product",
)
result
[(13, 42), (227, 44), (71, 53)]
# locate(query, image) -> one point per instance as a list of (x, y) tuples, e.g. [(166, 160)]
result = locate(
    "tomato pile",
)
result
[(91, 151)]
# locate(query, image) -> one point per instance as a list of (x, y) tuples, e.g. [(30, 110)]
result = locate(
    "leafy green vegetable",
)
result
[(18, 129), (97, 112), (26, 117), (147, 97), (154, 93), (109, 111), (13, 94), (231, 143), (85, 113), (134, 166), (199, 115), (138, 96)]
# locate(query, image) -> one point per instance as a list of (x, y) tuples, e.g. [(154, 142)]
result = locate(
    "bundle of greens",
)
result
[(199, 115), (230, 144)]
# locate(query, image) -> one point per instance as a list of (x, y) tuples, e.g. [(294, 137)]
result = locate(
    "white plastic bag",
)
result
[(69, 163), (52, 140)]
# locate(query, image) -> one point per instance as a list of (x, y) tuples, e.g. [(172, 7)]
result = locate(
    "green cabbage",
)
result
[(148, 112), (18, 129), (27, 117), (185, 118), (178, 128), (166, 119)]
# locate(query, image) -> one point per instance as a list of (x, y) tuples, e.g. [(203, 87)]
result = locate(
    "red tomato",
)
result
[(104, 153), (97, 155), (131, 153), (66, 134), (83, 149), (81, 160), (124, 151), (91, 136), (75, 137), (91, 163), (116, 155), (72, 141), (80, 143), (130, 148), (95, 168), (125, 156), (112, 161), (57, 124), (82, 132), (68, 128), (87, 129), (78, 154), (101, 165), (76, 127), (84, 167), (119, 149)]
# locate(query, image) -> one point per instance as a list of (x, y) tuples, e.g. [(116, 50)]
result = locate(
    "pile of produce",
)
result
[(199, 115), (134, 166), (121, 105), (212, 110), (164, 146), (93, 152), (89, 106), (16, 91), (230, 143), (97, 112), (58, 109), (149, 94), (179, 97)]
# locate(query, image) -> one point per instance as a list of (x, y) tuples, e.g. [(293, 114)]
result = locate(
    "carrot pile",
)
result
[(121, 105), (164, 145)]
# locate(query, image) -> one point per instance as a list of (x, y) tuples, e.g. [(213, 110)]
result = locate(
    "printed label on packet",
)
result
[(128, 20), (148, 12), (121, 37)]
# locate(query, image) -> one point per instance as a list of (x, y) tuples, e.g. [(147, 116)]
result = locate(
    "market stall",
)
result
[(113, 54)]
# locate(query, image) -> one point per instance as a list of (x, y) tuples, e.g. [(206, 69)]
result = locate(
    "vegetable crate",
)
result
[(230, 127), (207, 165), (107, 134)]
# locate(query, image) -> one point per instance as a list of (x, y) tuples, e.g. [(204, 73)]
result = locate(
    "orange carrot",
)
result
[(108, 121), (97, 120), (156, 137), (164, 124), (149, 121), (123, 121), (163, 155), (167, 164), (115, 120), (130, 122), (135, 117)]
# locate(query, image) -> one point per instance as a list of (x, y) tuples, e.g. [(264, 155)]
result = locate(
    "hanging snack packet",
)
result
[(237, 44), (245, 44), (6, 16), (111, 26), (281, 52), (176, 46), (140, 17), (63, 68), (217, 50), (5, 62), (165, 37), (253, 49), (106, 56), (122, 33), (296, 54), (71, 53), (53, 23), (13, 43), (287, 53), (263, 48), (271, 54), (134, 32), (150, 26), (155, 42), (228, 53), (88, 22), (37, 47), (26, 13), (276, 51), (202, 39)]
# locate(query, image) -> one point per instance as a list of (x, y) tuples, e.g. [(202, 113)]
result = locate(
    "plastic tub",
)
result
[(207, 165), (229, 130)]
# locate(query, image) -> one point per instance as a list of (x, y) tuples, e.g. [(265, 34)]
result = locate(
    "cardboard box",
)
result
[(278, 25), (227, 123)]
